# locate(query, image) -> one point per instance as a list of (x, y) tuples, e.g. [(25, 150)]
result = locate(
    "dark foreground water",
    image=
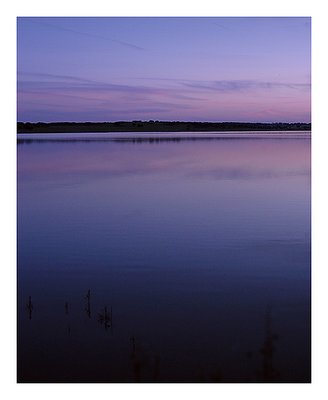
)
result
[(164, 260)]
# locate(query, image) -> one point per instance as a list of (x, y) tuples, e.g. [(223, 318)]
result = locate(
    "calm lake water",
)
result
[(164, 259)]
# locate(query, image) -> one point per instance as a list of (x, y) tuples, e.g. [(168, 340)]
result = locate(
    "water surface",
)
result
[(180, 258)]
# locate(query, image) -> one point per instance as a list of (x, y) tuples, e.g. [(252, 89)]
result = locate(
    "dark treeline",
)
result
[(156, 126)]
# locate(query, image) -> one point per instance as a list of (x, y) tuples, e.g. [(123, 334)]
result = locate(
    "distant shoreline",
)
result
[(156, 126)]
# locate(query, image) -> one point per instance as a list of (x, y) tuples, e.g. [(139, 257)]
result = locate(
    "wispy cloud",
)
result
[(242, 85), (233, 85), (52, 77), (180, 98), (43, 81), (92, 35), (42, 92), (29, 82), (216, 85)]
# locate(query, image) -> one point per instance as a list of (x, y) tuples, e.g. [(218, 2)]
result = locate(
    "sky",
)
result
[(243, 69)]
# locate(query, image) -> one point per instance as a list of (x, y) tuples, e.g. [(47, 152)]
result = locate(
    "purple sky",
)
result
[(196, 69)]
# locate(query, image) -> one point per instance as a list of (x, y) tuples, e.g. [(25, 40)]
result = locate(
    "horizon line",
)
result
[(160, 121)]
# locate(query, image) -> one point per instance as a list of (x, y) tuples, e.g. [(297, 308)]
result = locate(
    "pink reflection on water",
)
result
[(242, 157)]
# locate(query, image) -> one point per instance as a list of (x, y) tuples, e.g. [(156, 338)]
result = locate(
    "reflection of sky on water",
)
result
[(187, 192), (252, 157), (220, 228)]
